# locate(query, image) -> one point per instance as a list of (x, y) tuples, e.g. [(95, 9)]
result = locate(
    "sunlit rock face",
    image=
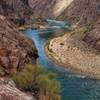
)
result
[(49, 8), (8, 91), (82, 11), (60, 6), (76, 11)]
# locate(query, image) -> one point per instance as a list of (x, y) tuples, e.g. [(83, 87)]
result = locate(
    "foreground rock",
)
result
[(8, 91), (16, 50)]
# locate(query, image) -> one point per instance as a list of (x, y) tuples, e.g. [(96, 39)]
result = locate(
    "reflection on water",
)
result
[(73, 87)]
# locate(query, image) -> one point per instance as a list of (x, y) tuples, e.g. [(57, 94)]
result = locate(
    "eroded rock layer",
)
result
[(8, 91), (16, 50)]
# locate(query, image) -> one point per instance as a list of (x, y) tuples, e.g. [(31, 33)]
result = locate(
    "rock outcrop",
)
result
[(8, 91), (21, 10), (16, 50), (17, 11), (77, 11)]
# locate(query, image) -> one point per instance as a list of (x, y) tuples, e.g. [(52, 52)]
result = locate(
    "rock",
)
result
[(8, 91), (16, 50), (82, 12), (85, 13)]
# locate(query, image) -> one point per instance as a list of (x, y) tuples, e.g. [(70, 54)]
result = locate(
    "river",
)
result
[(73, 86)]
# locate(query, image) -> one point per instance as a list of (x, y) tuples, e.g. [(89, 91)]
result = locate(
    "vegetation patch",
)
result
[(38, 80), (79, 31)]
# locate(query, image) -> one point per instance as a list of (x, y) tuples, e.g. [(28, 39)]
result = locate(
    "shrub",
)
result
[(79, 31), (32, 74)]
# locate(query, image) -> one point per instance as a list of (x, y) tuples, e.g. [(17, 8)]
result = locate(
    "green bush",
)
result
[(45, 81)]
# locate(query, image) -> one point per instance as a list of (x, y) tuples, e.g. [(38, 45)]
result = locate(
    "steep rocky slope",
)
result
[(15, 49), (22, 9), (49, 8), (82, 11), (43, 8), (16, 10), (77, 11), (85, 13), (79, 50)]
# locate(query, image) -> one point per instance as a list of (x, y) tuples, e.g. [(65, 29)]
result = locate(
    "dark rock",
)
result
[(17, 11)]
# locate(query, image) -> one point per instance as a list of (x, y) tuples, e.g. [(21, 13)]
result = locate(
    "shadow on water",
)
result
[(73, 86)]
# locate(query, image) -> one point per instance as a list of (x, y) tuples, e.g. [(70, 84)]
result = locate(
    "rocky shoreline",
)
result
[(91, 71)]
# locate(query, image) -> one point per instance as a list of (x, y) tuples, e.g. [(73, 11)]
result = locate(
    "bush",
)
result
[(79, 31), (45, 81)]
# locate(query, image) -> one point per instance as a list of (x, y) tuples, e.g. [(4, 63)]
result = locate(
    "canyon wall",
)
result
[(16, 49)]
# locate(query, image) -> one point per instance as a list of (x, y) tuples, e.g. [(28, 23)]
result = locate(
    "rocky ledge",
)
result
[(16, 49), (8, 91)]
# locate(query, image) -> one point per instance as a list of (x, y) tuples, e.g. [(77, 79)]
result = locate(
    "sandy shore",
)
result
[(82, 62)]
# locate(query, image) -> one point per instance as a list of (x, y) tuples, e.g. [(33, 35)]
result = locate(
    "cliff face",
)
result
[(82, 11), (85, 13), (16, 10), (38, 8), (16, 50), (49, 8), (78, 12)]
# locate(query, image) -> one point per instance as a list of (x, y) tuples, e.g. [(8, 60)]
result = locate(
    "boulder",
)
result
[(8, 91)]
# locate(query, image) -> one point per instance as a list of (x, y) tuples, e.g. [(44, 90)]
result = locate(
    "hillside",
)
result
[(16, 50), (79, 50), (53, 8), (17, 11)]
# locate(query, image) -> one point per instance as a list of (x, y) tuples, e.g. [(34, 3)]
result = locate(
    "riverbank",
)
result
[(74, 55)]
